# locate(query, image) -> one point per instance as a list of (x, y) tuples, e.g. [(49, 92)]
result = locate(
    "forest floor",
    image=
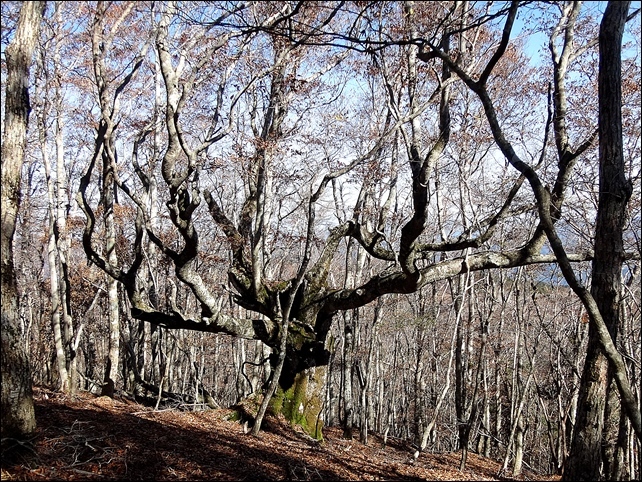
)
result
[(86, 437)]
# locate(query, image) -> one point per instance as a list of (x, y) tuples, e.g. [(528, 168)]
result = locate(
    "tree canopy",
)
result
[(261, 169)]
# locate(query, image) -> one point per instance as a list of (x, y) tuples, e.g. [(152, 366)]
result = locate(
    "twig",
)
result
[(24, 444), (84, 472), (153, 411)]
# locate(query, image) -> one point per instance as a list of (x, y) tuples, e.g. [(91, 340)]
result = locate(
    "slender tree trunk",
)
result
[(497, 428), (519, 446), (239, 362), (499, 412), (419, 382), (62, 236), (380, 388), (460, 365), (351, 321), (150, 273), (113, 312), (18, 417), (113, 304), (515, 424), (585, 456), (61, 207), (346, 376), (429, 431), (365, 377), (107, 150), (364, 404), (276, 374), (472, 409), (61, 342), (59, 289), (518, 387), (484, 438), (155, 368)]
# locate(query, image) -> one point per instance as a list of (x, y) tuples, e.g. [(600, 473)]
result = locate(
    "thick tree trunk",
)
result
[(585, 455), (614, 436), (584, 460), (300, 395), (299, 369), (302, 403), (18, 418)]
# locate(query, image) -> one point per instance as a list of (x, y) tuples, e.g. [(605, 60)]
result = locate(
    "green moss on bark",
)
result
[(301, 404)]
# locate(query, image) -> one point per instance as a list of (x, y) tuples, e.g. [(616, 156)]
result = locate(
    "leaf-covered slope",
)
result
[(97, 438)]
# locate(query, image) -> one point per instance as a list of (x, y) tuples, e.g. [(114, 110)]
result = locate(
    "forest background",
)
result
[(389, 216)]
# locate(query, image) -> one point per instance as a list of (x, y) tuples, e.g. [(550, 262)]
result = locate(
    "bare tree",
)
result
[(50, 108), (19, 420), (264, 101), (615, 191)]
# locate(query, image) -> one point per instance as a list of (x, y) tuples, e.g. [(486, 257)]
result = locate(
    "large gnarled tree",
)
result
[(260, 121)]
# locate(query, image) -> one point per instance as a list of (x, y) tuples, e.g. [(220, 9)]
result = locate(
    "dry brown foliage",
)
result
[(97, 438)]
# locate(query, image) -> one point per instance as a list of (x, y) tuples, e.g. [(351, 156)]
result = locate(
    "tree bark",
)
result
[(585, 455), (546, 205), (61, 341), (18, 417), (57, 249), (346, 377)]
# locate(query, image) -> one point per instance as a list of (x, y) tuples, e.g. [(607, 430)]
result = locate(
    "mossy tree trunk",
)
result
[(302, 403)]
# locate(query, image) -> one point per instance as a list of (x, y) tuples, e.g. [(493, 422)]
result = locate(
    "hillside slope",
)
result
[(97, 438)]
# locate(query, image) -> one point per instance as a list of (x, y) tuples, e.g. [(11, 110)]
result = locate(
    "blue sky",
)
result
[(537, 41)]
